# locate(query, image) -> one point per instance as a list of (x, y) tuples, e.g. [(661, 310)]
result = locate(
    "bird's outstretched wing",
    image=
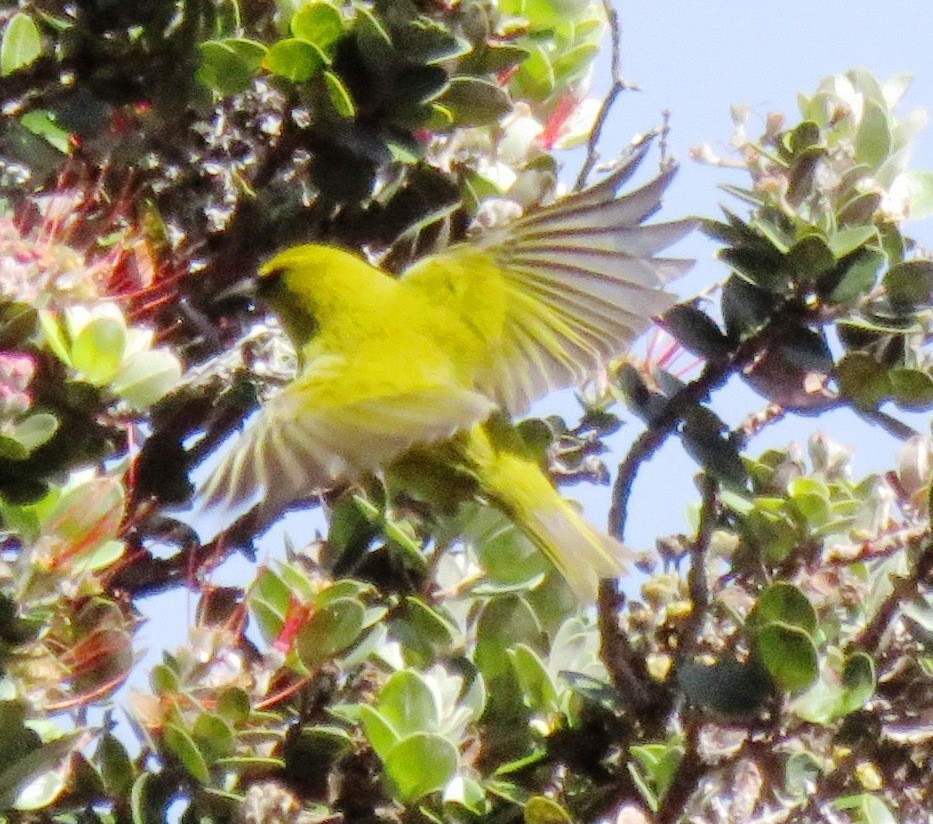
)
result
[(315, 434), (580, 280)]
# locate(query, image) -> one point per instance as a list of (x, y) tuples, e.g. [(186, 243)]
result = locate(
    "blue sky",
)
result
[(696, 59)]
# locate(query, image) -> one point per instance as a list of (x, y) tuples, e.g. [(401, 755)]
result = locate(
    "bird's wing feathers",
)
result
[(581, 282), (306, 439)]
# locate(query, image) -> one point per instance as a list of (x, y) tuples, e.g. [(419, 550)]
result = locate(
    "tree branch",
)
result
[(894, 427), (626, 666), (619, 85), (146, 575), (696, 580), (903, 588), (686, 779)]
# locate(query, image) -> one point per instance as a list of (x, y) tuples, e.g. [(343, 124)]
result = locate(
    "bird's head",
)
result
[(286, 286)]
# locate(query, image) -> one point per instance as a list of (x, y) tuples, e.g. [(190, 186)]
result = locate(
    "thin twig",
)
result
[(148, 575), (696, 580), (619, 85), (714, 375), (894, 427), (687, 778), (626, 666), (903, 589)]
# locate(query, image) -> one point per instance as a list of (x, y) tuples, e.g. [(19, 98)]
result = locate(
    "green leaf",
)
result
[(12, 450), (862, 379), (653, 767), (706, 439), (89, 514), (163, 679), (506, 554), (373, 40), (858, 681), (228, 66), (869, 808), (381, 734), (423, 632), (343, 588), (543, 810), (494, 58), (182, 745), (330, 630), (535, 76), (98, 349), (909, 284), (408, 703), (35, 430), (729, 688), (318, 23), (549, 14), (339, 96), (420, 764), (536, 684), (475, 102), (912, 389), (505, 621), (808, 350), (42, 123), (294, 60), (213, 735), (55, 336), (873, 138), (746, 309), (696, 331), (466, 792), (803, 136), (100, 557), (920, 183), (846, 241), (856, 276), (789, 655), (776, 234), (116, 767), (251, 52), (574, 62), (18, 322), (21, 44), (270, 589), (785, 603), (233, 705), (147, 377), (801, 772), (918, 617), (141, 801), (429, 42), (859, 210), (36, 779)]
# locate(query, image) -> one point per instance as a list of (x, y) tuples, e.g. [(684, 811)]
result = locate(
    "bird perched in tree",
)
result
[(432, 365)]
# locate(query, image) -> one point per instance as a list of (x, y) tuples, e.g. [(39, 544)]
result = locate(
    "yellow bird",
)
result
[(436, 360)]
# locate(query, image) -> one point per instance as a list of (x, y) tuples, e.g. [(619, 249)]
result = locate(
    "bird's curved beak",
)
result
[(252, 287), (243, 289)]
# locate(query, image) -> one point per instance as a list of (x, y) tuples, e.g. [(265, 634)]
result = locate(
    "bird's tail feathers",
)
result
[(582, 554), (518, 486)]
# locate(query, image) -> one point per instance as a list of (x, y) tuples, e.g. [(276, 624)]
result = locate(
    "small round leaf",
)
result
[(329, 630), (789, 655), (420, 764)]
